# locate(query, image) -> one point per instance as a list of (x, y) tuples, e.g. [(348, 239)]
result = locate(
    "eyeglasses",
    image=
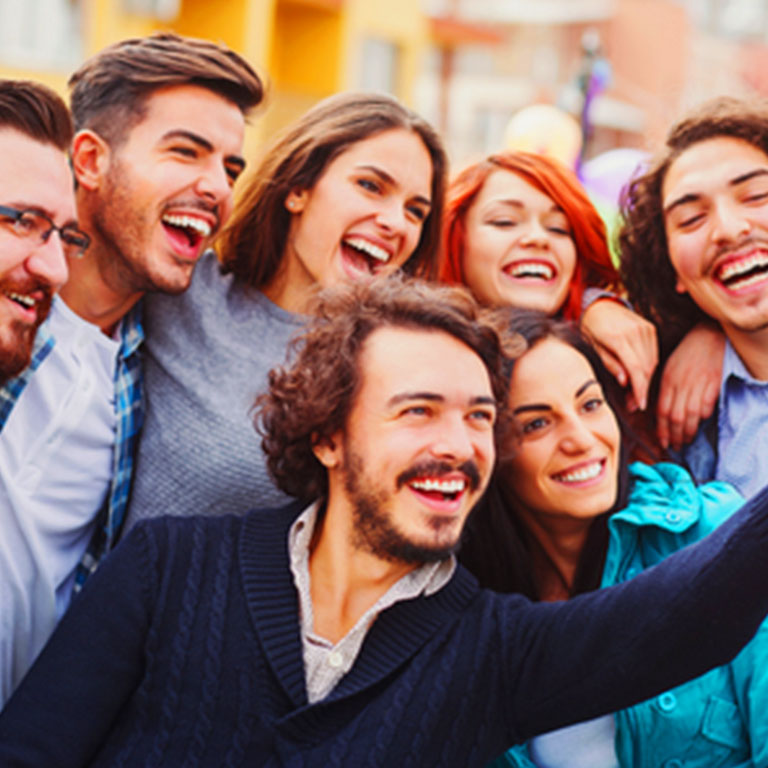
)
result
[(32, 224)]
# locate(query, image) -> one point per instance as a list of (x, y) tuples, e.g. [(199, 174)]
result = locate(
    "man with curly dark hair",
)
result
[(339, 631), (694, 249)]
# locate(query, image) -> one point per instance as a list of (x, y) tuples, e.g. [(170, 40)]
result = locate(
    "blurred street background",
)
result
[(618, 70)]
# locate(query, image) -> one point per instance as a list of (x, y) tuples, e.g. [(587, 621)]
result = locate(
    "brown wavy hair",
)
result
[(253, 243), (646, 269), (593, 260), (109, 91), (310, 399)]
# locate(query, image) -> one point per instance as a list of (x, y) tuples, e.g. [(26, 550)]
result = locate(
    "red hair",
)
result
[(593, 259)]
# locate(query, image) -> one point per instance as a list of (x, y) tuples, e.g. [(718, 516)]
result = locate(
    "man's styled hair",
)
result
[(646, 269), (110, 90), (36, 111), (310, 400), (254, 241), (593, 259)]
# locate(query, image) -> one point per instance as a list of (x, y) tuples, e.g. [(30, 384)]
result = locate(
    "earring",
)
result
[(291, 204)]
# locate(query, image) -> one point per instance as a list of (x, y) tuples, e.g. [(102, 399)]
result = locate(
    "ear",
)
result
[(90, 159), (296, 200), (328, 451), (679, 287)]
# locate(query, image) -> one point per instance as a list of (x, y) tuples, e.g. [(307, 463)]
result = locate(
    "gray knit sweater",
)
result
[(207, 355)]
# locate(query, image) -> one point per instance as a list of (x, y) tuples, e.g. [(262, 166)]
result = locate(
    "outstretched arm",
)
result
[(609, 649)]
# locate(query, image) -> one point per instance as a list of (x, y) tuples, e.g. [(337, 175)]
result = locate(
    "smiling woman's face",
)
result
[(564, 459), (518, 249)]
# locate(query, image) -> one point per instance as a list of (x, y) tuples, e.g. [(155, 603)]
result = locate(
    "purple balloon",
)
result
[(607, 174)]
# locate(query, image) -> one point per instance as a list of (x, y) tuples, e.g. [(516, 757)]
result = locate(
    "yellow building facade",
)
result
[(304, 49)]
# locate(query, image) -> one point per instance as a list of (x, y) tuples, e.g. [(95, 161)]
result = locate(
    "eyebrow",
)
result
[(694, 197), (544, 407), (202, 142), (388, 179), (433, 397)]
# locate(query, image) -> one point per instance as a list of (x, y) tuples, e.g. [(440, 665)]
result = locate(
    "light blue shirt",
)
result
[(742, 427)]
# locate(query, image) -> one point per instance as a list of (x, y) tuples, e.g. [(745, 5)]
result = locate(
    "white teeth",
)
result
[(758, 277), (441, 486), (535, 269), (736, 268), (203, 228), (580, 475), (359, 244), (27, 301)]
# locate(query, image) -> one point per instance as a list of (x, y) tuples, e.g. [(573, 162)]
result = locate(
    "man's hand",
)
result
[(690, 385)]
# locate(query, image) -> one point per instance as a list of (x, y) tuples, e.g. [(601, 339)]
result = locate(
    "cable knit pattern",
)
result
[(186, 646)]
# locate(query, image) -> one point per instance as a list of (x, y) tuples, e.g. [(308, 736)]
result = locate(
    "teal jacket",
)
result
[(719, 720)]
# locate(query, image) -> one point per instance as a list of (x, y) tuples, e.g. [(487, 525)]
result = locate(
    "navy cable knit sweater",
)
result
[(184, 650)]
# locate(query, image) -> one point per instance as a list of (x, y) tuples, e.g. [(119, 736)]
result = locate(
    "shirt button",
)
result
[(632, 572), (673, 517), (674, 763), (335, 659), (667, 702)]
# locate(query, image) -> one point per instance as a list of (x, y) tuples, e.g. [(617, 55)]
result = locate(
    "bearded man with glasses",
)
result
[(35, 193)]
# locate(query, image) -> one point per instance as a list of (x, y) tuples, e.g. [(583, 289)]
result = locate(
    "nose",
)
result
[(730, 222), (576, 436), (215, 185), (534, 235), (391, 217), (453, 440), (48, 264)]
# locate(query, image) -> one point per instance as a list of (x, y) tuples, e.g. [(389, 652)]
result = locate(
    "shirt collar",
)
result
[(427, 578)]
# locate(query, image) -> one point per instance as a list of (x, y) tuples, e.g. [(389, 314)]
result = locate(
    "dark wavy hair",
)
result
[(593, 259), (495, 546), (253, 243), (646, 269), (36, 111), (109, 92), (310, 399)]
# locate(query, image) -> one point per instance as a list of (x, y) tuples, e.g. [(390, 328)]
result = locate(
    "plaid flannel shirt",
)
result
[(129, 409)]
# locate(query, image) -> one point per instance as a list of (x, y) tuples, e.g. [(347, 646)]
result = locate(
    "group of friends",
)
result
[(236, 483)]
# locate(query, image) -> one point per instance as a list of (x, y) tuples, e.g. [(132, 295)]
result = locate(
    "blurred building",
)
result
[(305, 49), (467, 65), (659, 57)]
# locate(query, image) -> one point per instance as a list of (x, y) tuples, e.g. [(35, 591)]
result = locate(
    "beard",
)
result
[(16, 337), (374, 529), (124, 229)]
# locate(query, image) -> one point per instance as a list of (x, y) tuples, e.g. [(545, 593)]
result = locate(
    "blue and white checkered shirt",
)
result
[(129, 412)]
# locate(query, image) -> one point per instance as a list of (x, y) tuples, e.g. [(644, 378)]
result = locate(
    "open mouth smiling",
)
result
[(743, 272), (187, 231), (530, 270), (439, 490), (364, 254)]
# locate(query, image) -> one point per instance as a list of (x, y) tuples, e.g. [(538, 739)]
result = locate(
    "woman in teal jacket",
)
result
[(566, 514)]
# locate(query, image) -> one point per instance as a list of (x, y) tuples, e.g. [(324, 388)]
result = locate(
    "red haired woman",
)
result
[(519, 230)]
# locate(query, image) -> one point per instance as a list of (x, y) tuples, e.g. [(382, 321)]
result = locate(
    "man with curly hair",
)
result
[(694, 249), (339, 631)]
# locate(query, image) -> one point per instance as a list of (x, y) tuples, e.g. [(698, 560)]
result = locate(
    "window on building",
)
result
[(40, 34)]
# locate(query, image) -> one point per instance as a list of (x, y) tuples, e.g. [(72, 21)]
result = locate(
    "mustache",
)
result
[(31, 286), (746, 242), (438, 469)]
